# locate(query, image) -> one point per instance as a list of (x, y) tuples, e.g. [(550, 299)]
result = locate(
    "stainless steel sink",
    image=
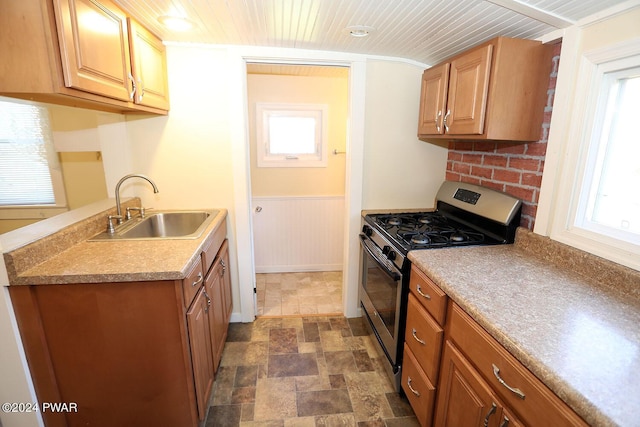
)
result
[(162, 225)]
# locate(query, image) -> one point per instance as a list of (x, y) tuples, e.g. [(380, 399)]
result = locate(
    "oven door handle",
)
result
[(393, 274)]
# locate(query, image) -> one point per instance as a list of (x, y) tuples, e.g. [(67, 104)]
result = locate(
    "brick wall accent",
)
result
[(512, 167)]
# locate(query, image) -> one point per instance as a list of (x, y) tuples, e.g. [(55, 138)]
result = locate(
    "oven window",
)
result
[(383, 293)]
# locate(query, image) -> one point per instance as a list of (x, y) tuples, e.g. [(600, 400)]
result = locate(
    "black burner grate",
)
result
[(423, 230)]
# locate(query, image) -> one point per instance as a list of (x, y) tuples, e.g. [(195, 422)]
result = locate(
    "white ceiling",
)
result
[(426, 31)]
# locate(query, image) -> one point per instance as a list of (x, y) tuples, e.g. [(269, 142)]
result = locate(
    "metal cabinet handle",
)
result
[(492, 410), (141, 83), (224, 267), (134, 89), (414, 391), (446, 116), (505, 422), (437, 120), (206, 295), (198, 280), (516, 391), (413, 333), (422, 294)]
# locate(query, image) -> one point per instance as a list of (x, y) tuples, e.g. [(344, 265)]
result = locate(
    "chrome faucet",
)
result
[(124, 178)]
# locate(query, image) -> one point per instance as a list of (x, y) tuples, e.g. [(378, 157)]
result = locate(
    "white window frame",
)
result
[(40, 211), (264, 111), (575, 171)]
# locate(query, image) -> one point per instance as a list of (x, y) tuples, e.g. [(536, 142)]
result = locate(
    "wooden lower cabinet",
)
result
[(201, 354), (214, 285), (521, 392), (121, 351), (127, 353), (479, 383), (464, 400)]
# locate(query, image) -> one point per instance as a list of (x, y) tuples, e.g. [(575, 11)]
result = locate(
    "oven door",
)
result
[(381, 295)]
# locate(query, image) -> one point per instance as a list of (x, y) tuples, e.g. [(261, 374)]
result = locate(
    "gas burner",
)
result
[(466, 237), (458, 237), (425, 219), (420, 239), (394, 220)]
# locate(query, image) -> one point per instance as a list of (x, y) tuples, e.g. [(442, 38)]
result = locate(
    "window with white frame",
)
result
[(598, 203), (30, 174), (609, 201), (291, 135)]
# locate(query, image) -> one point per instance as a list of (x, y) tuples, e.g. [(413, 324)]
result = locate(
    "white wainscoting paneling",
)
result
[(298, 233)]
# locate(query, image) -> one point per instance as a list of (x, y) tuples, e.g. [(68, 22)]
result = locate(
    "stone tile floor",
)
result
[(306, 372), (300, 293)]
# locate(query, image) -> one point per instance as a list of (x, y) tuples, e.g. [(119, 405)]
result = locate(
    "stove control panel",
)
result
[(467, 196)]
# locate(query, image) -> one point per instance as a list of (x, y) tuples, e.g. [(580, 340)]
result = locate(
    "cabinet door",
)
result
[(464, 399), (200, 344), (433, 100), (214, 287), (94, 46), (468, 89), (149, 65), (226, 282)]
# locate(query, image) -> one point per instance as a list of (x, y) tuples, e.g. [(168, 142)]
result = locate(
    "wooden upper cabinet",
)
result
[(94, 47), (433, 100), (80, 53), (149, 66), (495, 91), (468, 86)]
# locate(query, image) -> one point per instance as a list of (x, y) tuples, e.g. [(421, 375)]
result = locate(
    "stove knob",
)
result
[(367, 230), (391, 255), (386, 249)]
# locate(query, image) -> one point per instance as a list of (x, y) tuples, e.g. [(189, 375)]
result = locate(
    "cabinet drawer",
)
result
[(419, 390), (539, 406), (191, 283), (429, 294), (424, 337)]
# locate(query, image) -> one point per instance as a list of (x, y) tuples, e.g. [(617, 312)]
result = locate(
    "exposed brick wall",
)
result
[(512, 167)]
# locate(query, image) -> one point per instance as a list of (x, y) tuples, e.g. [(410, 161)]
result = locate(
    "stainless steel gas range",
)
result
[(465, 214)]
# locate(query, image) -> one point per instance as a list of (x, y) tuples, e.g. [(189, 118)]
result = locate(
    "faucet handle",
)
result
[(134, 208), (110, 227)]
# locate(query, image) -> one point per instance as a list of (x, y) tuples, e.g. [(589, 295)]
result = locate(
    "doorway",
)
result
[(298, 200)]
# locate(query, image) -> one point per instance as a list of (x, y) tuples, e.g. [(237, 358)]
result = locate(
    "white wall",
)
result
[(400, 171)]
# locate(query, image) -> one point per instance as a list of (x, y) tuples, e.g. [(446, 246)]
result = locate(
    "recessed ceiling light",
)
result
[(359, 30), (176, 23)]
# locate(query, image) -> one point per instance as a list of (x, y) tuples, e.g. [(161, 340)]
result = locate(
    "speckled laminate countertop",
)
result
[(87, 261), (571, 318)]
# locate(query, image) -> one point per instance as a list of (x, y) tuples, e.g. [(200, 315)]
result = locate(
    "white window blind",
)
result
[(26, 154)]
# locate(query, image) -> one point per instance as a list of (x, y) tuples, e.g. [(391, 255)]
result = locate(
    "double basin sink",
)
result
[(162, 225)]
